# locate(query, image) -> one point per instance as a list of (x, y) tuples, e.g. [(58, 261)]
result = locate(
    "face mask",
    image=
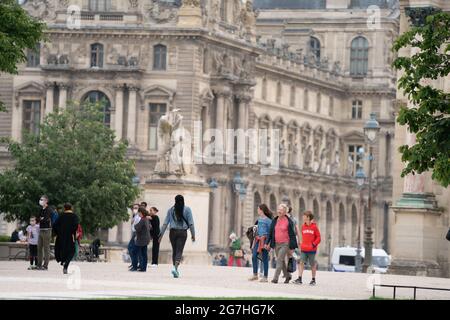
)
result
[(41, 203), (135, 211)]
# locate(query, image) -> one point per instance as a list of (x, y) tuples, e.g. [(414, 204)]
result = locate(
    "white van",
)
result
[(343, 259)]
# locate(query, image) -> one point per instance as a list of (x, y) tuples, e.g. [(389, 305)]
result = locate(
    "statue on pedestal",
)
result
[(165, 163)]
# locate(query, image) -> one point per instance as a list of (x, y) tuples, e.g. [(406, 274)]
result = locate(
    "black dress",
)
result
[(65, 229)]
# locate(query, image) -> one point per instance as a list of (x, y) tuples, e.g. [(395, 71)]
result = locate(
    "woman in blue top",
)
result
[(263, 228), (179, 218)]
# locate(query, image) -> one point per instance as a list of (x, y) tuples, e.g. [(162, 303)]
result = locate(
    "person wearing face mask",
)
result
[(132, 244), (32, 239), (45, 234)]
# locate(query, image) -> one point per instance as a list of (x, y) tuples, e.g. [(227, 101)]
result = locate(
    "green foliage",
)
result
[(18, 31), (5, 238), (429, 118), (74, 159)]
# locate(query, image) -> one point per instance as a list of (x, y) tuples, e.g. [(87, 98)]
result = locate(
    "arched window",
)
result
[(98, 96), (359, 56), (97, 55), (314, 46), (316, 212), (264, 89), (354, 225), (301, 206), (159, 57), (341, 225), (273, 203), (256, 202), (279, 92)]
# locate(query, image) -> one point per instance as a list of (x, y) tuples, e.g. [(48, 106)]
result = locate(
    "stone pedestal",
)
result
[(416, 235), (190, 17), (160, 192)]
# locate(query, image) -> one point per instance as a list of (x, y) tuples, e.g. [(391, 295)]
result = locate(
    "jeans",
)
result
[(132, 251), (265, 260), (33, 254), (177, 240), (45, 236), (142, 257), (155, 250), (281, 251)]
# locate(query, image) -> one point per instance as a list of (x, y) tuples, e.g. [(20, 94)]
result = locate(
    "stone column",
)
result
[(217, 212), (49, 97), (63, 87), (222, 94), (131, 126), (244, 101), (118, 116)]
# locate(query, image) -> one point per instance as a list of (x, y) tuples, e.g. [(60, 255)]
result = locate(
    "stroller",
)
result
[(92, 254)]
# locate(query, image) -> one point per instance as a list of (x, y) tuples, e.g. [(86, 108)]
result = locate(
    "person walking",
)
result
[(32, 239), (45, 234), (65, 230), (154, 235), (236, 253), (308, 246), (258, 247), (131, 245), (282, 239), (142, 240), (179, 219)]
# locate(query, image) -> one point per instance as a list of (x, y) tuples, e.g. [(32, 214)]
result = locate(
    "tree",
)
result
[(73, 159), (429, 117), (18, 32)]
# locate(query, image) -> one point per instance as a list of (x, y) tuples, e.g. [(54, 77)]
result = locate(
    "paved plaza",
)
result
[(112, 280)]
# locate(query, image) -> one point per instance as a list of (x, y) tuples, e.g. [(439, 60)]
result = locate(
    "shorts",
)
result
[(308, 257)]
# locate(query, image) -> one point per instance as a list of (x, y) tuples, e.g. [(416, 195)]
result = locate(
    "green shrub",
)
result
[(4, 238)]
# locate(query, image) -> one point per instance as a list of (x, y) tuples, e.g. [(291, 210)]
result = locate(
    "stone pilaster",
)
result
[(131, 125)]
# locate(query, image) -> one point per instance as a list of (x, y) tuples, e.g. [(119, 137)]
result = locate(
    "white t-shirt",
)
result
[(33, 234), (136, 220)]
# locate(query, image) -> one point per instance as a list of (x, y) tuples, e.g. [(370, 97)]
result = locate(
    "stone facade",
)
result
[(232, 67)]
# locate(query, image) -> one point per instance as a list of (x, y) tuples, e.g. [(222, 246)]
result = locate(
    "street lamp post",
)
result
[(360, 179), (371, 129)]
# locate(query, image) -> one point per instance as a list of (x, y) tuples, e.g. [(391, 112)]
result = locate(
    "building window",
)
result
[(97, 55), (292, 97), (359, 57), (279, 92), (159, 57), (32, 115), (99, 5), (356, 109), (331, 107), (100, 97), (264, 89), (157, 110), (34, 56), (319, 102), (205, 61), (314, 47), (306, 100), (354, 158)]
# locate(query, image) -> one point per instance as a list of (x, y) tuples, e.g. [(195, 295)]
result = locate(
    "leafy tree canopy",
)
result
[(73, 159), (429, 117)]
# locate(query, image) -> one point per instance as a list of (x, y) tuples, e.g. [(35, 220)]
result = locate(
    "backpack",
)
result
[(53, 217), (292, 265), (448, 235)]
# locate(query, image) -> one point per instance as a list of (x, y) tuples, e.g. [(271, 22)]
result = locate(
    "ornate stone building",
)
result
[(315, 73)]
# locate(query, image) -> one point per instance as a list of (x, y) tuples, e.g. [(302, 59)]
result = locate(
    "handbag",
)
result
[(292, 265), (238, 253)]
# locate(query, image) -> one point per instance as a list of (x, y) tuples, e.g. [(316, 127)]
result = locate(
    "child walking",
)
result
[(32, 239)]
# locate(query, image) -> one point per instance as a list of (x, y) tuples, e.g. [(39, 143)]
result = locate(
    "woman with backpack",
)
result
[(258, 250), (179, 219)]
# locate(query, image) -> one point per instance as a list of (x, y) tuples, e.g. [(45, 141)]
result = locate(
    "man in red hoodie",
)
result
[(308, 246)]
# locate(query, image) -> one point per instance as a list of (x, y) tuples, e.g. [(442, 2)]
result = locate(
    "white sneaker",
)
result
[(154, 265)]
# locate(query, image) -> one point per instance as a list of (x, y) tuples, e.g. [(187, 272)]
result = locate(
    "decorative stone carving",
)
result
[(42, 9), (307, 161), (159, 12), (337, 67), (282, 153), (133, 61), (133, 3), (191, 3), (63, 59), (324, 63), (52, 59), (248, 19), (418, 15)]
